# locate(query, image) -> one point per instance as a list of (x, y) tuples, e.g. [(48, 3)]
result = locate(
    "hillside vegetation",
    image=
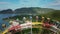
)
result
[(46, 12)]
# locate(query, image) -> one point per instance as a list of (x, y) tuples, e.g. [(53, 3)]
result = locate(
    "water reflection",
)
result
[(4, 22)]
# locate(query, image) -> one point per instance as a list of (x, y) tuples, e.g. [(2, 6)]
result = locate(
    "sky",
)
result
[(14, 4)]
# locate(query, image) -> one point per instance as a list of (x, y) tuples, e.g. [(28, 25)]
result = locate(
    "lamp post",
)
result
[(37, 18), (31, 18), (31, 23), (24, 19), (42, 19)]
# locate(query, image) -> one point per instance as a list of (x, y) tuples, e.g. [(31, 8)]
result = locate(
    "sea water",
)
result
[(4, 22)]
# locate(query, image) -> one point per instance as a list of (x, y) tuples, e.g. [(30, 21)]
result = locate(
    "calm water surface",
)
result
[(4, 22)]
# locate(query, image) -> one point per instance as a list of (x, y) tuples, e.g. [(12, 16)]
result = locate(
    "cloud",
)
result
[(4, 3), (55, 3)]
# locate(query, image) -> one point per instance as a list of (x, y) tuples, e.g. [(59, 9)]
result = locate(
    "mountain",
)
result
[(30, 10), (33, 10), (8, 11), (46, 12)]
